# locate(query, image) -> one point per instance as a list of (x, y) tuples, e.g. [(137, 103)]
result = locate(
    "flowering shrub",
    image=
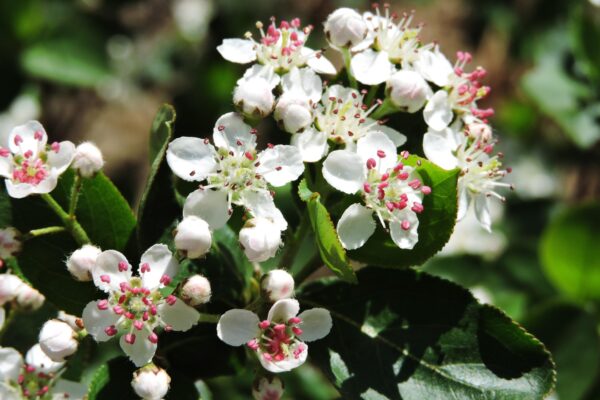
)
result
[(221, 280)]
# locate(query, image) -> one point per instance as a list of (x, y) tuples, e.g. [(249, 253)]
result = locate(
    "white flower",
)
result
[(88, 159), (23, 296), (151, 383), (135, 306), (9, 286), (277, 284), (29, 165), (36, 377), (469, 150), (302, 88), (253, 95), (193, 237), (433, 66), (345, 28), (387, 43), (408, 90), (9, 243), (58, 340), (260, 238), (279, 49), (267, 388), (459, 96), (280, 339), (235, 172), (389, 189), (81, 263), (196, 290)]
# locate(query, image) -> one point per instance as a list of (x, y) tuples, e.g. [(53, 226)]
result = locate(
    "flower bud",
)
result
[(82, 261), (277, 284), (293, 112), (9, 244), (74, 322), (196, 290), (9, 285), (260, 238), (408, 90), (28, 298), (253, 96), (193, 237), (151, 382), (267, 388), (58, 340), (87, 160), (345, 28), (478, 130)]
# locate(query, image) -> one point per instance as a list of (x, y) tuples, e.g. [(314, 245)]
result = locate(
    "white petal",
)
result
[(239, 51), (316, 324), (437, 112), (64, 389), (18, 190), (42, 363), (210, 205), (267, 72), (9, 392), (47, 185), (6, 166), (191, 158), (280, 164), (439, 147), (405, 239), (288, 363), (27, 133), (318, 63), (344, 170), (368, 146), (311, 143), (96, 320), (11, 362), (237, 327), (230, 129), (141, 351), (261, 204), (371, 67), (60, 161), (434, 66), (355, 226), (304, 80), (482, 211), (463, 201), (180, 316), (396, 137), (107, 268), (283, 310), (161, 262)]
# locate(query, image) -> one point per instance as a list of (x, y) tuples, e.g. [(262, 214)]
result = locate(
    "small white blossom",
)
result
[(151, 382), (277, 284), (279, 340), (9, 243), (293, 111), (389, 189), (88, 159), (193, 237), (73, 321), (135, 306), (9, 286), (267, 388), (81, 262), (408, 90), (345, 28), (253, 94), (433, 65), (196, 290), (235, 172), (260, 238), (58, 340), (29, 165), (23, 296)]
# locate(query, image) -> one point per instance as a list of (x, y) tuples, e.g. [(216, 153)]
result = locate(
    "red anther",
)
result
[(398, 167), (415, 184), (404, 197), (38, 135), (401, 205), (488, 149), (284, 25), (118, 310), (206, 141), (145, 268), (264, 324), (171, 299), (270, 145), (278, 168), (105, 278), (122, 299), (390, 206), (28, 154), (371, 163), (403, 176), (4, 152), (404, 154), (146, 301), (294, 36), (165, 280), (129, 315), (294, 320), (468, 57), (137, 324), (382, 185), (405, 225), (30, 369), (55, 147), (380, 194), (509, 170), (220, 128), (136, 290), (168, 328), (366, 187), (124, 286), (336, 111), (18, 140), (297, 331), (43, 391), (286, 51), (249, 156), (267, 356), (295, 22), (279, 327), (20, 379), (123, 266), (103, 305), (110, 330), (417, 207), (145, 316), (252, 344), (130, 338), (426, 190), (153, 338), (380, 153), (458, 71), (385, 176)]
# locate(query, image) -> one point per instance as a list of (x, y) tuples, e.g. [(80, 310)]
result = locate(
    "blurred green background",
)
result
[(99, 69)]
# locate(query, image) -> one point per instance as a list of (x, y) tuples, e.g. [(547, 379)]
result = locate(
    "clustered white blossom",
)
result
[(10, 244)]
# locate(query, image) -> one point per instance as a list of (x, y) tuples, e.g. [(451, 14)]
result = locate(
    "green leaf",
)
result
[(574, 343), (158, 208), (436, 223), (330, 248), (99, 380), (570, 253), (403, 334), (585, 35)]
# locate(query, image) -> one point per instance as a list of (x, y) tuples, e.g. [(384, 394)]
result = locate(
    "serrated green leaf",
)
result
[(436, 223), (403, 334), (570, 253), (158, 208), (330, 248), (99, 380)]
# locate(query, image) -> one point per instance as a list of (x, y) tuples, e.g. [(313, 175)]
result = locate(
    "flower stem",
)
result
[(49, 230), (347, 58), (75, 189), (371, 95), (71, 224), (384, 109)]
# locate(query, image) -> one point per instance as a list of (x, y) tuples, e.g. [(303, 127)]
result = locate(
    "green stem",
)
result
[(311, 266), (71, 224), (371, 95), (49, 230), (347, 58), (384, 109), (75, 189)]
